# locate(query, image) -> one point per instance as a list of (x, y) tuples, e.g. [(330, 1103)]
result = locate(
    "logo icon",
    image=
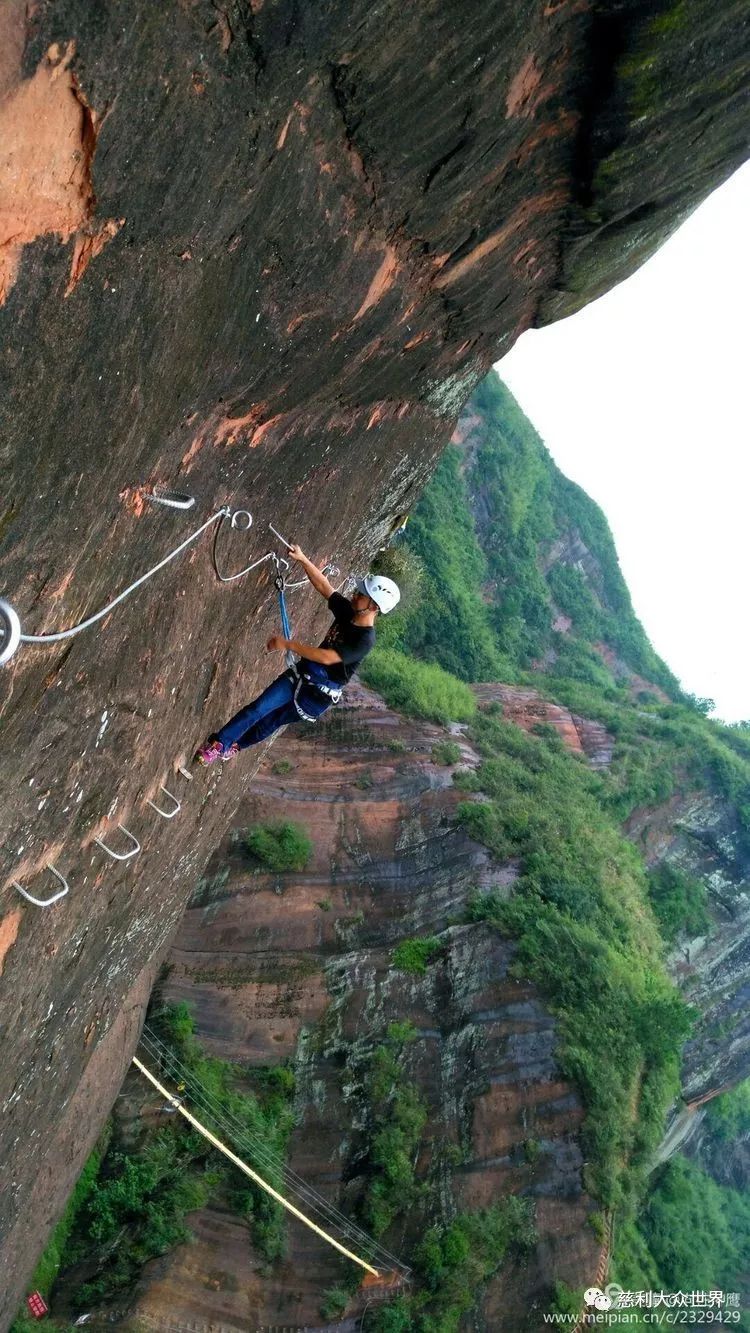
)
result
[(596, 1297)]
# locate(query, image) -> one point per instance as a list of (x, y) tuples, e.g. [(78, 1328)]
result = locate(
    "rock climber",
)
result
[(308, 688)]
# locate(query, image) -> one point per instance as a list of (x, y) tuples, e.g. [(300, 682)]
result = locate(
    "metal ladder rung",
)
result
[(44, 902), (165, 814), (121, 856)]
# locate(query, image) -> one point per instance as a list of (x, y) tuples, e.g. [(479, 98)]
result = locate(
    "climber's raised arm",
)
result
[(316, 576)]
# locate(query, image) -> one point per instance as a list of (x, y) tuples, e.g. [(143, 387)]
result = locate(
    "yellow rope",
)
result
[(248, 1170)]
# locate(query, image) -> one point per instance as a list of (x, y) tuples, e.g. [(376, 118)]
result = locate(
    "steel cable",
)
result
[(270, 1162), (266, 1156), (229, 1122)]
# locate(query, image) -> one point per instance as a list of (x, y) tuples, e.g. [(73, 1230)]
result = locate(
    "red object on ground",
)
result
[(37, 1305)]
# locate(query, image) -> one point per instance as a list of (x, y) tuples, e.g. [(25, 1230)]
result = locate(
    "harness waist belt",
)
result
[(332, 691), (297, 675)]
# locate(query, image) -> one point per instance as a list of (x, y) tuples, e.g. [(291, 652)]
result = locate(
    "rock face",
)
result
[(728, 1162), (259, 253), (701, 833), (299, 965), (527, 709)]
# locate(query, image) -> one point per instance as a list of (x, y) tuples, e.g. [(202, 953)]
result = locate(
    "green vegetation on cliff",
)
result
[(447, 621), (693, 1231), (506, 546), (418, 688), (415, 954), (279, 847), (519, 581), (586, 937), (692, 1234), (679, 902), (728, 1116), (504, 539), (396, 1117), (452, 1263), (56, 1250), (132, 1200)]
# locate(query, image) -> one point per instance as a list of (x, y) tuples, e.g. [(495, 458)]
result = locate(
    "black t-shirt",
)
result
[(351, 642)]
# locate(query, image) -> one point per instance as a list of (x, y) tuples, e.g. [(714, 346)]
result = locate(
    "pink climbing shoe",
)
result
[(208, 753), (233, 750)]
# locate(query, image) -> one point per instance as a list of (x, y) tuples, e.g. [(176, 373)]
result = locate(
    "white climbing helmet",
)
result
[(383, 592)]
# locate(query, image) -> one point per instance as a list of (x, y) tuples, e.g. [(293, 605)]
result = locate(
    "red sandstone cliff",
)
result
[(269, 973), (260, 252)]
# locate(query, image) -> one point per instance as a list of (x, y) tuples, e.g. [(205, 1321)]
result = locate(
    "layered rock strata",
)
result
[(299, 966)]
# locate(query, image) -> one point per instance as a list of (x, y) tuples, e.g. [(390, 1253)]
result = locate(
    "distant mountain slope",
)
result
[(512, 575), (522, 570)]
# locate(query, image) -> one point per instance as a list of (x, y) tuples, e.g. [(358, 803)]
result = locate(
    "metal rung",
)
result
[(121, 856), (164, 813), (172, 499), (44, 902), (283, 540)]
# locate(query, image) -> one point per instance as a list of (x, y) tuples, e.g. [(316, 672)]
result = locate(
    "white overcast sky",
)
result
[(642, 398)]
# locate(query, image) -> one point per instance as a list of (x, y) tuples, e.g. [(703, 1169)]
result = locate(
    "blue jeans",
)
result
[(272, 709)]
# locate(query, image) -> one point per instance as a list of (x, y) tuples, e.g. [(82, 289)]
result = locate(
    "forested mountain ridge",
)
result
[(517, 579), (523, 572)]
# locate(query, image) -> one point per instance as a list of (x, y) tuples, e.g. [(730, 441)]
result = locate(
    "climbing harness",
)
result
[(302, 678), (334, 693), (306, 717)]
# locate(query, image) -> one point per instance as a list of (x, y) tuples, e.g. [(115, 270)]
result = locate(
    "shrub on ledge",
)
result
[(414, 955), (281, 846), (419, 689)]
